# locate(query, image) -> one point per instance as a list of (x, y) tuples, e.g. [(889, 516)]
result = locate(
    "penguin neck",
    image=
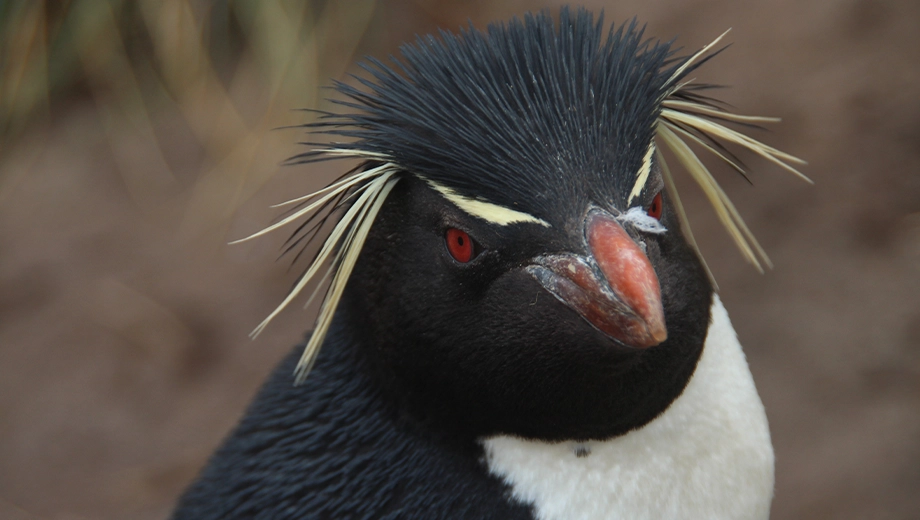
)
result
[(708, 455)]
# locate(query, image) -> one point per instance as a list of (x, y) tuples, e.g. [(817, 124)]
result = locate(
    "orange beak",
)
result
[(615, 289)]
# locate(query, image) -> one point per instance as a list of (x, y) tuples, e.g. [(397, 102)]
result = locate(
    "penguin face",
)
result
[(518, 328), (519, 267)]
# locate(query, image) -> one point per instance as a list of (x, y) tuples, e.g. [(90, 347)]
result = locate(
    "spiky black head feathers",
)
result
[(525, 122), (528, 115)]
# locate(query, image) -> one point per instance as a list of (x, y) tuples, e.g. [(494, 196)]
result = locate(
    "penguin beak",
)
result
[(614, 288)]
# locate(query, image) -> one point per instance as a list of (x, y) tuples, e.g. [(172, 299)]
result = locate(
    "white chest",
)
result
[(707, 456)]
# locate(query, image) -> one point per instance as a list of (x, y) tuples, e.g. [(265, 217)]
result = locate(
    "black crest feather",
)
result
[(525, 109)]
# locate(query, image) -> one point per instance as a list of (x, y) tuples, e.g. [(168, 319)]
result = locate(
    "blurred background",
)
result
[(138, 137)]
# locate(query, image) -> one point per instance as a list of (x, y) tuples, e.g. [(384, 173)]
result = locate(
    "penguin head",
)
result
[(529, 276), (511, 249), (583, 329)]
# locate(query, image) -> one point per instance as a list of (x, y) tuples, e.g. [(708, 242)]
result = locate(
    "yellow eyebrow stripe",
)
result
[(644, 172), (486, 210)]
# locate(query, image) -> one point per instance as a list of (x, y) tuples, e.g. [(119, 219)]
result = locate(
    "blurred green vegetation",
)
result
[(136, 50), (232, 69)]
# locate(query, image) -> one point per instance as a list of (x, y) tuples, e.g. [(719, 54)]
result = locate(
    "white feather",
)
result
[(708, 456), (642, 221)]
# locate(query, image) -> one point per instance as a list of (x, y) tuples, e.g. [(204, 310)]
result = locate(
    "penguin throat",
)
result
[(710, 450)]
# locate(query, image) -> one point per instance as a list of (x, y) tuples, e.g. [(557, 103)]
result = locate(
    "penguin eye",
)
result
[(460, 245), (654, 209)]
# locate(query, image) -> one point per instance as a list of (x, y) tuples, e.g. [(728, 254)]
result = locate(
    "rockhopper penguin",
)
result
[(517, 323)]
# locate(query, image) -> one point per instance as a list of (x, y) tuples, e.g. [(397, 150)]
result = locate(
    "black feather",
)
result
[(511, 115)]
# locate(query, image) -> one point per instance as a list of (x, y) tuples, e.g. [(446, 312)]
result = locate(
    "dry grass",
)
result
[(232, 70)]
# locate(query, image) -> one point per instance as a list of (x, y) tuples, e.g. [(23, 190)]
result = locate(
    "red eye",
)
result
[(654, 209), (459, 245)]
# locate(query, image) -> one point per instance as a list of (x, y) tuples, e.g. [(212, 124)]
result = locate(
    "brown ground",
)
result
[(123, 314)]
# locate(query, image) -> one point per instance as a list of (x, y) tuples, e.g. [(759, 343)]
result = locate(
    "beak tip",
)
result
[(655, 334), (660, 336), (656, 326)]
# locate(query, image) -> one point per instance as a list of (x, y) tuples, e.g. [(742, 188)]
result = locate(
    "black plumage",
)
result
[(337, 447), (515, 114), (530, 140)]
